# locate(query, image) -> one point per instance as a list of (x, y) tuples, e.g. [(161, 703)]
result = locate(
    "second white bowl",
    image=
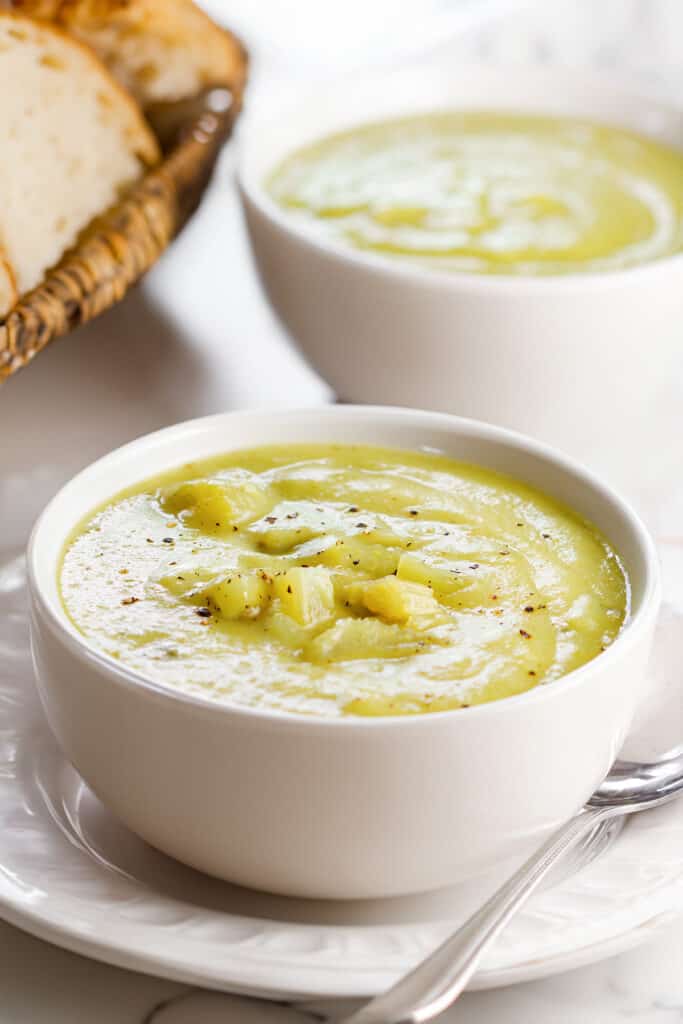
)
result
[(589, 362)]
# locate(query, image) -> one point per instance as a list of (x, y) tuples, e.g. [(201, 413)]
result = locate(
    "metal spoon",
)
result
[(436, 982)]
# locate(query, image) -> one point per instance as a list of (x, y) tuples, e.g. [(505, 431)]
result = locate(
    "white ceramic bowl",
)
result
[(589, 362), (337, 807)]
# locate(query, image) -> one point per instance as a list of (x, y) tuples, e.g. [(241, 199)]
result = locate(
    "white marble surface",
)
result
[(198, 338), (40, 984)]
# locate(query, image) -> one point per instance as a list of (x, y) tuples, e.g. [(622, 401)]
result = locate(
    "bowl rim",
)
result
[(54, 616), (252, 191)]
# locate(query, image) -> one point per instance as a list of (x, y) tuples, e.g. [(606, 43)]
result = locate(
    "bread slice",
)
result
[(160, 50), (72, 141)]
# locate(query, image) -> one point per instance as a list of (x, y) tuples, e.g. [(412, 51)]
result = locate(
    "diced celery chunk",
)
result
[(280, 540), (437, 573), (286, 631), (186, 581), (399, 600), (239, 594), (350, 639), (290, 523), (356, 553), (306, 594), (351, 592), (348, 589), (216, 506)]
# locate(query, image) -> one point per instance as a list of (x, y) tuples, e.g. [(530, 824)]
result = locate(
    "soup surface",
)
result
[(491, 193), (343, 580)]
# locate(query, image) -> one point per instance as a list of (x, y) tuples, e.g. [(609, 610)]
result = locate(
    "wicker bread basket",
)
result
[(116, 249)]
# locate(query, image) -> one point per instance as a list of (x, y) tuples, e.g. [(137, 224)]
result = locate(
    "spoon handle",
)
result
[(432, 986)]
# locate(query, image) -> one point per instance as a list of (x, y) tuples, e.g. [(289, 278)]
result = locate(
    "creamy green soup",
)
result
[(491, 193), (339, 580)]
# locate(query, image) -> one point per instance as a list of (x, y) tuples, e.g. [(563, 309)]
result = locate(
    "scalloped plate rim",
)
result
[(328, 984)]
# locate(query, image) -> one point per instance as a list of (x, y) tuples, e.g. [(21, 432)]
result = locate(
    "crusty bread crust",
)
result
[(8, 286), (160, 50)]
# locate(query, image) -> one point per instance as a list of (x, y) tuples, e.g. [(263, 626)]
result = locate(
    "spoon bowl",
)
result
[(632, 786)]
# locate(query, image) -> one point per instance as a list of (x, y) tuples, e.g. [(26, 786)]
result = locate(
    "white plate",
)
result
[(71, 874)]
